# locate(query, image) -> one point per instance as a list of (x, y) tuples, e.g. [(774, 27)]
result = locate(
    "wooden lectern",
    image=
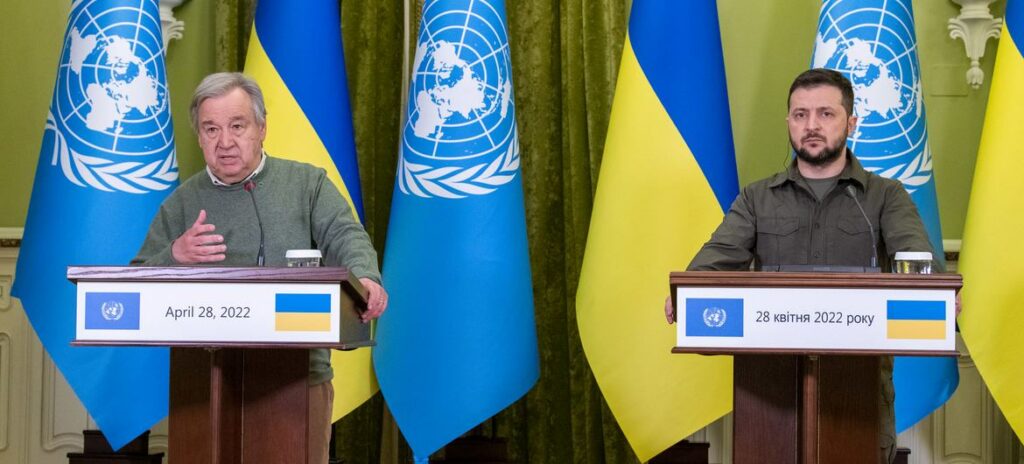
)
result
[(240, 340), (807, 348)]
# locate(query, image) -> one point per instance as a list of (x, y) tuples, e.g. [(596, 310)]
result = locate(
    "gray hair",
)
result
[(220, 84)]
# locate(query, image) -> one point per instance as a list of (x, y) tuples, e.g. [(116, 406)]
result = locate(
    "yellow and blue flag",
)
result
[(667, 177), (107, 163), (991, 261), (872, 42), (296, 56), (915, 319), (458, 343), (302, 312)]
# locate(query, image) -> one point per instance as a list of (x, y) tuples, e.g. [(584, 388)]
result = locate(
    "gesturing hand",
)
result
[(376, 299), (198, 244)]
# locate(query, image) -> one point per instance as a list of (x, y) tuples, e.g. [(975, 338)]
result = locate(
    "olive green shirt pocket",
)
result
[(779, 238), (853, 241)]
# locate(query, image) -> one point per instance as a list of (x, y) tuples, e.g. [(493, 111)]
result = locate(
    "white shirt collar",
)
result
[(218, 182)]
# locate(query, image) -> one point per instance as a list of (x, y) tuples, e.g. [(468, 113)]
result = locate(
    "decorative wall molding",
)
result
[(171, 27), (10, 243), (10, 237), (6, 280), (5, 390), (11, 233), (158, 438), (965, 433), (975, 25), (952, 252), (60, 428)]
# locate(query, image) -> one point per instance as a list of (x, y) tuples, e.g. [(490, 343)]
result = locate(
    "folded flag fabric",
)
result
[(107, 163), (458, 343), (873, 43), (310, 120), (667, 176), (991, 262)]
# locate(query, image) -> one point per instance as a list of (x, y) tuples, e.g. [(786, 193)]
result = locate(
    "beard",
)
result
[(828, 154)]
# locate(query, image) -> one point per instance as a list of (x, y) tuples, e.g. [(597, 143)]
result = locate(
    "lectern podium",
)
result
[(240, 340), (806, 352)]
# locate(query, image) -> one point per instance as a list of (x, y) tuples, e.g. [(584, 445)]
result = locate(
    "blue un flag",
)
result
[(106, 164), (112, 311), (872, 42), (458, 342), (714, 317)]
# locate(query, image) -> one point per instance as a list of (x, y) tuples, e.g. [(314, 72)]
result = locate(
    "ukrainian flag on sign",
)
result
[(668, 174), (992, 261), (296, 56), (302, 312), (920, 320)]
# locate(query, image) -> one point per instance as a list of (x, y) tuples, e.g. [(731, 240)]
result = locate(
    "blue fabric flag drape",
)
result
[(106, 164), (872, 42), (458, 342)]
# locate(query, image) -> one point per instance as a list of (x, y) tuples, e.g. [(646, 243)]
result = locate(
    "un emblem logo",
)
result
[(876, 49), (112, 311), (714, 317), (110, 119), (460, 133)]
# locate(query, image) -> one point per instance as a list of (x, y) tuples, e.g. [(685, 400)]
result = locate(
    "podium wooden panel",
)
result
[(237, 402), (238, 405), (805, 409), (807, 406)]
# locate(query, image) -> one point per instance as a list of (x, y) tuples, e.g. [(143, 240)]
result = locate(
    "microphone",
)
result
[(874, 248), (250, 186)]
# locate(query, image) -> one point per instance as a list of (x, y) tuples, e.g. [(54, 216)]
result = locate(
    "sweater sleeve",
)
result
[(337, 233), (156, 249)]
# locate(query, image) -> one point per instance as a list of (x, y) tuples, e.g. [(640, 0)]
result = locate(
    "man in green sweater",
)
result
[(214, 217)]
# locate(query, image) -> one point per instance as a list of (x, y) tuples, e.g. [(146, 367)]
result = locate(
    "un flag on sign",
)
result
[(714, 317), (115, 311)]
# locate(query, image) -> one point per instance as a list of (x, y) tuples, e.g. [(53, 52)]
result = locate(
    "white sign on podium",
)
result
[(181, 306), (204, 312), (891, 320)]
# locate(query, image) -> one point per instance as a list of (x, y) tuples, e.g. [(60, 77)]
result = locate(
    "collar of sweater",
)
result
[(220, 183)]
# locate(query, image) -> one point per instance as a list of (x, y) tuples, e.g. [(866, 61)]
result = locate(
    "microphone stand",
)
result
[(250, 187)]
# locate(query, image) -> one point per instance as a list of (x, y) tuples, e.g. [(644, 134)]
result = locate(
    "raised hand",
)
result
[(198, 244)]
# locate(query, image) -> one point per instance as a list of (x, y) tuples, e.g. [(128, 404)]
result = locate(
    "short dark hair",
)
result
[(820, 76)]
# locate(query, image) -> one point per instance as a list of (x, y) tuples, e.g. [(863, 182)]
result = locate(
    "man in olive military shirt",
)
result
[(807, 214)]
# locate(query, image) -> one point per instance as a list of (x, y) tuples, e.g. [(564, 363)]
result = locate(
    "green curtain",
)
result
[(565, 56)]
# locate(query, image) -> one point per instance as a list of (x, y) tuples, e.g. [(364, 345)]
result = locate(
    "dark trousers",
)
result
[(886, 413)]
